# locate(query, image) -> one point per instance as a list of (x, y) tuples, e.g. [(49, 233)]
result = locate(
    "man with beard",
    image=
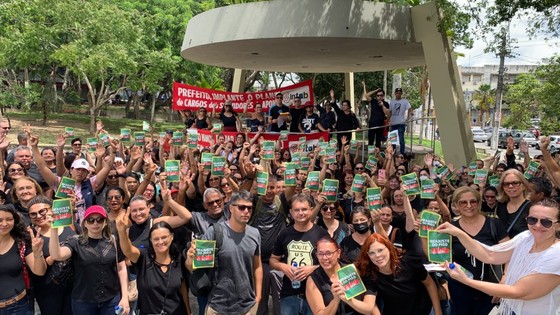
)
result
[(309, 121)]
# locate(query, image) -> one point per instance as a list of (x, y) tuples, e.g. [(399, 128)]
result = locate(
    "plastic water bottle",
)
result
[(468, 273), (296, 284), (119, 310)]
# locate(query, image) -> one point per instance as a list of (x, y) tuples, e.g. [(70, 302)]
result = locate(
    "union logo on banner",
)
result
[(189, 97)]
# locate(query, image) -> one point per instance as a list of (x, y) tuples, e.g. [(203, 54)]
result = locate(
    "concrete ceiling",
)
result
[(315, 36)]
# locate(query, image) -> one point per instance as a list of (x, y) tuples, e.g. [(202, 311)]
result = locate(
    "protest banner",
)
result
[(65, 187), (472, 168), (62, 213), (218, 165), (206, 159), (139, 138), (410, 184), (358, 183), (69, 131), (312, 181), (262, 183), (290, 174), (204, 255), (428, 189), (480, 176), (330, 189), (439, 247), (373, 198), (125, 135), (351, 281), (428, 221), (393, 137), (192, 97), (532, 169), (172, 169)]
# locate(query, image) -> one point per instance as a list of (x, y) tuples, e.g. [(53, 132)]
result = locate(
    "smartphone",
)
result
[(381, 174)]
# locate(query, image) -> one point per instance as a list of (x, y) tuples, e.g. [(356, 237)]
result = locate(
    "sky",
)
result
[(529, 51)]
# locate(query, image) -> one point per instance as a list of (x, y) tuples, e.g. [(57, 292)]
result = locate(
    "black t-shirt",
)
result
[(485, 237), (350, 250), (228, 121), (309, 123), (269, 220), (275, 113), (95, 269), (404, 294), (507, 218), (296, 114), (294, 246), (201, 123), (43, 281), (377, 115), (11, 275), (155, 286)]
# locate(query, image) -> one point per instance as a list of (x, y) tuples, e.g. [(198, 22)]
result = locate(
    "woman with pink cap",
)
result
[(100, 277)]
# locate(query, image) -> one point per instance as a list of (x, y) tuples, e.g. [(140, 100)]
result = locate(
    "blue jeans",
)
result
[(22, 307), (202, 302), (294, 305), (94, 308), (400, 129)]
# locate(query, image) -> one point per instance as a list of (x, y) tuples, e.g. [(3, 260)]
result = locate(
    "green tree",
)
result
[(522, 98), (549, 95), (485, 99)]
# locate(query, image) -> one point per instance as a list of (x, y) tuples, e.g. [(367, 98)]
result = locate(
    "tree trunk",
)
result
[(136, 103), (152, 108)]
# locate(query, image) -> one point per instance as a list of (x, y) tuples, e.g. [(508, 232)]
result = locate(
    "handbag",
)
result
[(201, 280)]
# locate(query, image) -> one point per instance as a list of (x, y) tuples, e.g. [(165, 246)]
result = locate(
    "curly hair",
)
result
[(367, 268)]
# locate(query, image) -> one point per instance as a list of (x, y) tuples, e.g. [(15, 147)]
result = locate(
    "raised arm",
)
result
[(49, 177), (57, 252), (123, 223)]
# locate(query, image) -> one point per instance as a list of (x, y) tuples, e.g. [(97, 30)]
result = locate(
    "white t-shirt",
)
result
[(398, 111), (524, 263)]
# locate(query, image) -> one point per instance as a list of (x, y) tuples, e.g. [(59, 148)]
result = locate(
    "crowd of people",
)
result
[(131, 245)]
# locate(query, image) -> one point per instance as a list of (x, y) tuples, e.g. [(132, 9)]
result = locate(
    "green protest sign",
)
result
[(351, 281), (353, 145), (304, 162), (218, 165), (371, 163), (177, 138), (439, 247), (192, 139), (69, 131), (105, 139), (206, 159), (290, 174), (330, 189), (333, 143), (91, 144), (217, 127), (262, 183), (472, 168), (145, 126), (125, 135), (371, 150), (358, 183), (393, 137), (268, 150), (373, 198), (428, 221), (445, 173), (296, 159), (428, 189), (312, 181), (323, 145), (283, 135), (62, 213), (494, 180), (139, 138), (480, 176), (204, 255), (172, 169), (331, 155), (410, 184), (65, 187), (532, 170)]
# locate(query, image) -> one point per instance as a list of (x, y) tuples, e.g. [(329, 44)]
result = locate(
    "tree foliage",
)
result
[(522, 99)]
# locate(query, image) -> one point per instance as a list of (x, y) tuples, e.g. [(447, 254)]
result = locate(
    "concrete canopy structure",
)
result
[(337, 36)]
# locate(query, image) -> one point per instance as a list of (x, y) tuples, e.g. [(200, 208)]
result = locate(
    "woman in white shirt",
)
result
[(532, 285)]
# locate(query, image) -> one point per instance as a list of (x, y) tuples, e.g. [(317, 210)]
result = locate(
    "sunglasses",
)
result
[(217, 202), (513, 184), (224, 184), (244, 208), (98, 220), (112, 176), (117, 197), (329, 209), (359, 168), (546, 223), (464, 203), (15, 170), (41, 213)]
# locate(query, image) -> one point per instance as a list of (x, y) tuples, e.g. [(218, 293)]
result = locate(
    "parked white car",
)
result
[(530, 139), (479, 135), (554, 143)]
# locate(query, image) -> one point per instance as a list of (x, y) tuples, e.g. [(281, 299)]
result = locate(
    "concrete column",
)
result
[(238, 84), (349, 93), (454, 129)]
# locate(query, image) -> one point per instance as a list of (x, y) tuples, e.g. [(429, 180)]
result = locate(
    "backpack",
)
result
[(202, 280)]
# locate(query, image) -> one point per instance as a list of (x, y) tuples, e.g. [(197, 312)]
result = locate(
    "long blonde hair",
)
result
[(502, 196)]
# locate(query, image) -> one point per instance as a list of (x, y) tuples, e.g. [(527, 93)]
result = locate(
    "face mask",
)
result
[(423, 177), (437, 164), (361, 228)]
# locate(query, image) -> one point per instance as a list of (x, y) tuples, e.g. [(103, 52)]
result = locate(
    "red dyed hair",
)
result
[(366, 267)]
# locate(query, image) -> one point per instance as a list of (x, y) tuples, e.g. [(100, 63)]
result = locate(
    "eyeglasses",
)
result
[(546, 223), (244, 207), (76, 144), (41, 213), (376, 252), (513, 184), (325, 254), (217, 202), (112, 176), (464, 203), (359, 168), (329, 209), (98, 220), (15, 170), (117, 197)]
